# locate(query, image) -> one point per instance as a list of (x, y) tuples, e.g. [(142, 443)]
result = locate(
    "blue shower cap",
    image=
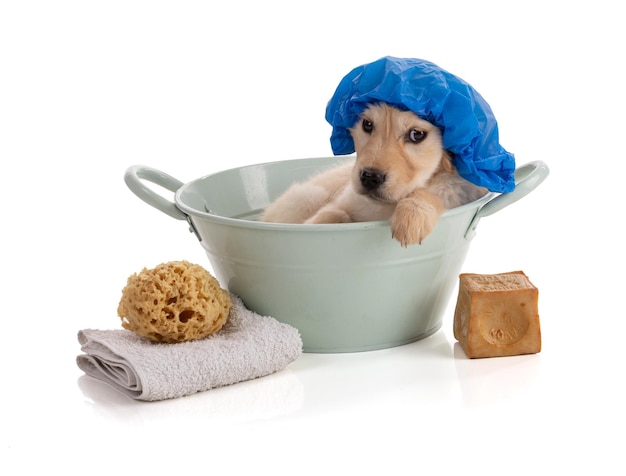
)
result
[(468, 126)]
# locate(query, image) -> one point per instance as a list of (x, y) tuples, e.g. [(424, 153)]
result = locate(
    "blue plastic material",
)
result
[(469, 128)]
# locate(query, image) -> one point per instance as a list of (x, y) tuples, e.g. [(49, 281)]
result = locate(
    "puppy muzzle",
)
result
[(371, 178)]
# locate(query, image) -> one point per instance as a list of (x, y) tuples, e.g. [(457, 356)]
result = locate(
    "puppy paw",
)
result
[(413, 221)]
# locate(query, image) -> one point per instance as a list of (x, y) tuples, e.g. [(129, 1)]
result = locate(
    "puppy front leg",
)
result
[(329, 214), (337, 209), (415, 217)]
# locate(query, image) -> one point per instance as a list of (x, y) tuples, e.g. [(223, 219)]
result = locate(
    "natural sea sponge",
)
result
[(174, 302)]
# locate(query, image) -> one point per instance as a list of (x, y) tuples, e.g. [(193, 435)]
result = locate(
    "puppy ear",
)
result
[(446, 161)]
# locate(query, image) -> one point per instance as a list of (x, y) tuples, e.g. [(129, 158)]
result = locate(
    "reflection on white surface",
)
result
[(484, 381), (261, 399), (345, 381)]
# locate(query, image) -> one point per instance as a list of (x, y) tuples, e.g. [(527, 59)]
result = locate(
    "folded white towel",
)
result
[(247, 347)]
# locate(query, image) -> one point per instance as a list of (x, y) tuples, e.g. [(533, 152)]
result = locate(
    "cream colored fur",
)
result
[(401, 173)]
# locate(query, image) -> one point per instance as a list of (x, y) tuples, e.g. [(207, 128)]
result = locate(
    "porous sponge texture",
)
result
[(174, 302)]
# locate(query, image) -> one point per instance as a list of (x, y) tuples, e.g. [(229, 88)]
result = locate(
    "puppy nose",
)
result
[(371, 179)]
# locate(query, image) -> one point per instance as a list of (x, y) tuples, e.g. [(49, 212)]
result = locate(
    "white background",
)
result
[(90, 88)]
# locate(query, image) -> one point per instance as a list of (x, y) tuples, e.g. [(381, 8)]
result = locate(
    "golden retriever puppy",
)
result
[(401, 173)]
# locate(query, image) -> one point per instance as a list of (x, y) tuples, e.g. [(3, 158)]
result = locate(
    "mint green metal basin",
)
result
[(345, 287)]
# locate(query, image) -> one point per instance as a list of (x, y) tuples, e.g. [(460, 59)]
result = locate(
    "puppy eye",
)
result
[(367, 126), (416, 136)]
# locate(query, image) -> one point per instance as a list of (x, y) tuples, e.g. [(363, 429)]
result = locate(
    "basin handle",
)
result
[(527, 178), (134, 177)]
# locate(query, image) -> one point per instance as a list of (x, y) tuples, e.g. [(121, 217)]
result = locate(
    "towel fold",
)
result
[(247, 347)]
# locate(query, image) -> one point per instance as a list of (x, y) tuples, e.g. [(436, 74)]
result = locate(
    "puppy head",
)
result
[(396, 152)]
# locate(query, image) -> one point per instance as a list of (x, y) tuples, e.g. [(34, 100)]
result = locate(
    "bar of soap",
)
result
[(497, 315)]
